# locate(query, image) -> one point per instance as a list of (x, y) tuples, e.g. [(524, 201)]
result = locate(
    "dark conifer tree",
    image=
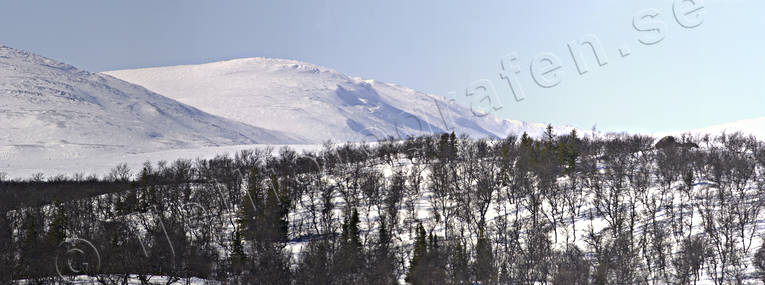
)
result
[(382, 268), (251, 207), (418, 255), (238, 257), (58, 226), (484, 260), (350, 258)]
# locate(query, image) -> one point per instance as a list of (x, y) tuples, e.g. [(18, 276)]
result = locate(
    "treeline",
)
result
[(560, 209)]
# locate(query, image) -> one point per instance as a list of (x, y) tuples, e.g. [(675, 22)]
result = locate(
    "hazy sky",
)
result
[(692, 77)]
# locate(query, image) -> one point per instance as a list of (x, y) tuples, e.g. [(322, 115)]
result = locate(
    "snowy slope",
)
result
[(54, 108), (25, 165), (755, 127), (316, 102)]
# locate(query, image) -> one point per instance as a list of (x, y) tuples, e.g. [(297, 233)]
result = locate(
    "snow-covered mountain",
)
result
[(315, 102), (47, 105)]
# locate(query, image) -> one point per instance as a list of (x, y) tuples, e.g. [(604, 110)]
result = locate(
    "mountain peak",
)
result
[(250, 64)]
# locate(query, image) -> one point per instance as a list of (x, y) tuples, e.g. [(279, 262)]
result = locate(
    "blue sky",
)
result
[(692, 78)]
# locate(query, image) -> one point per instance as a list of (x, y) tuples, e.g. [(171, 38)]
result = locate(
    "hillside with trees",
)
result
[(560, 209)]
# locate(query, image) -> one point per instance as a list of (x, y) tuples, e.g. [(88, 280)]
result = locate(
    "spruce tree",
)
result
[(452, 145), (30, 234), (443, 147), (549, 135), (434, 263), (57, 231), (238, 257), (250, 206), (349, 260), (484, 263), (459, 264), (383, 267), (29, 258), (354, 239), (568, 153), (268, 230), (276, 211), (383, 238), (418, 255)]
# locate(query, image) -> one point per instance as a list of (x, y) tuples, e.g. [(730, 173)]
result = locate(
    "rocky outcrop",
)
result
[(670, 141)]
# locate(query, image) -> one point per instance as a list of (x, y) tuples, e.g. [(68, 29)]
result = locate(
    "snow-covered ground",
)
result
[(65, 160)]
